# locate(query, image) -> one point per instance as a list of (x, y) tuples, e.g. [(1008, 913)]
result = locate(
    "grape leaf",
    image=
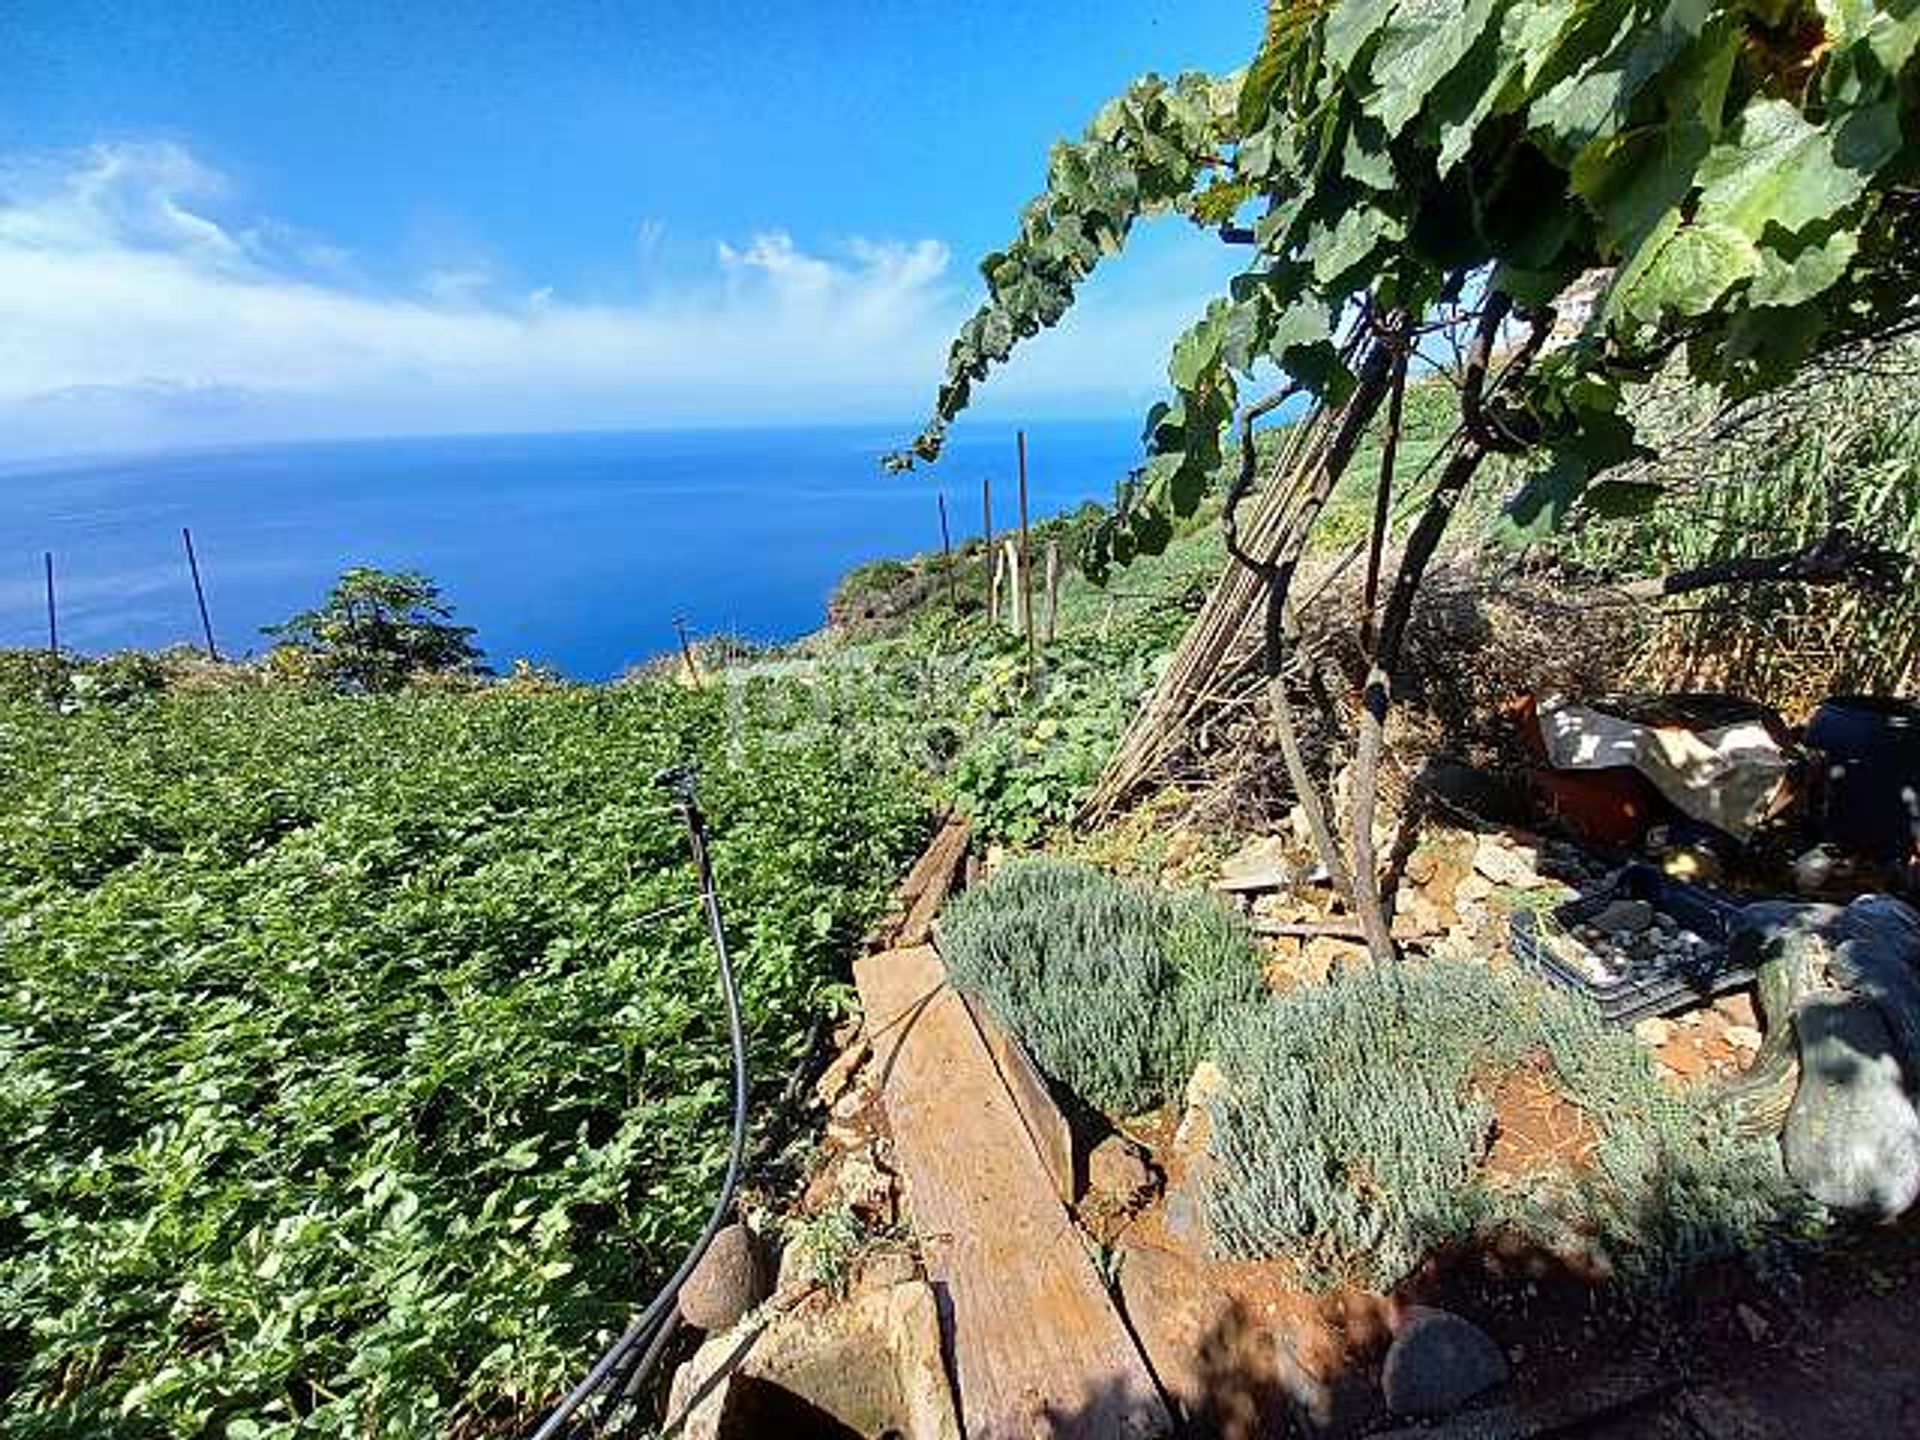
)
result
[(1419, 47), (1776, 168), (1684, 269)]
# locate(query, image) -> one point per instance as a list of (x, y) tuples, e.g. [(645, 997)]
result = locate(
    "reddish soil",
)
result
[(1537, 1129)]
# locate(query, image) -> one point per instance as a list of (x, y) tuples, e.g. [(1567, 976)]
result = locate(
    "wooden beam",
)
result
[(1048, 1129), (1037, 1346), (947, 858)]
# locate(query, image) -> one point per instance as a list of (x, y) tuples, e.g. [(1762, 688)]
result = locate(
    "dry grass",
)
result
[(1841, 447)]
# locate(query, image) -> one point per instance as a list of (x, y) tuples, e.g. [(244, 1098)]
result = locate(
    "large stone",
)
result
[(870, 1366), (729, 1281), (1118, 1171), (1852, 1139), (1438, 1362), (1503, 863), (1880, 959), (1259, 865)]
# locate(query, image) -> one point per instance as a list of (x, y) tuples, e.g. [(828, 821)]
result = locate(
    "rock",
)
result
[(1207, 1084), (884, 1267), (1325, 955), (871, 1366), (1449, 872), (1261, 864), (1438, 1362), (1852, 1139), (1299, 828), (1685, 1059), (1471, 888), (1417, 916), (1507, 864), (1624, 918), (1652, 1032), (1185, 1215), (1117, 1170), (863, 1187), (850, 1104), (729, 1280), (1738, 1008), (834, 1080), (1752, 1321), (1744, 1037), (1880, 960)]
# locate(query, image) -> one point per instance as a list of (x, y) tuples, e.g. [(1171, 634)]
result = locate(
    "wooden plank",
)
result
[(919, 896), (916, 878), (948, 854), (1036, 1346), (1048, 1129)]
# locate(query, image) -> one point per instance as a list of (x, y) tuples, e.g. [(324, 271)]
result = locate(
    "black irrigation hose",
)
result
[(646, 1336)]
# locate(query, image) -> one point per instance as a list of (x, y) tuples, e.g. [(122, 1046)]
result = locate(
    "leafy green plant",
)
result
[(377, 630), (1359, 1113), (829, 1243), (1740, 168), (361, 1058), (1115, 986)]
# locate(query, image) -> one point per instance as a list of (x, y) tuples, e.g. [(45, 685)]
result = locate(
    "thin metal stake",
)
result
[(199, 593), (946, 546), (53, 620)]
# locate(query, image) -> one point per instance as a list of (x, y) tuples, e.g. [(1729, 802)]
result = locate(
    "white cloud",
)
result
[(133, 317)]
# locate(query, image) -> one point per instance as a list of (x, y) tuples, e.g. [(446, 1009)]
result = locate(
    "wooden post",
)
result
[(946, 547), (686, 650), (1053, 588), (1026, 584), (1010, 572), (53, 620), (199, 593), (986, 541)]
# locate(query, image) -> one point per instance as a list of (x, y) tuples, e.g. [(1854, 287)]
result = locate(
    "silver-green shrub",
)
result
[(1353, 1136), (1115, 987)]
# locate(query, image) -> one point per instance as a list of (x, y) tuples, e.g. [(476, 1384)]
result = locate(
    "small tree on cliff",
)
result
[(379, 628)]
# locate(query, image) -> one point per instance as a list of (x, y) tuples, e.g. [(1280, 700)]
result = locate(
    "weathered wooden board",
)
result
[(1037, 1348), (945, 860), (1048, 1129), (916, 878), (918, 898)]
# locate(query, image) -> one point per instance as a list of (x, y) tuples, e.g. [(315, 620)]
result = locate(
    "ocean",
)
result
[(575, 551)]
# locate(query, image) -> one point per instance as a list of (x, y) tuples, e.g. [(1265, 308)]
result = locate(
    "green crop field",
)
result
[(350, 1081)]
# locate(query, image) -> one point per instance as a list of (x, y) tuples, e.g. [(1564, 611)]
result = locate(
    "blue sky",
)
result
[(230, 222)]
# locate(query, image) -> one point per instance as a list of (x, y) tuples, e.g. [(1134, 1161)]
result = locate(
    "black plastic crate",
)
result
[(1655, 986)]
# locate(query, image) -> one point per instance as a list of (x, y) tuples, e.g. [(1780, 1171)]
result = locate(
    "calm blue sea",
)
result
[(573, 550)]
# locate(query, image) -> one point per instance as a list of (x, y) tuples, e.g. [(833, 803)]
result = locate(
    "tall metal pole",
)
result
[(1026, 568), (946, 546), (199, 593), (53, 619)]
